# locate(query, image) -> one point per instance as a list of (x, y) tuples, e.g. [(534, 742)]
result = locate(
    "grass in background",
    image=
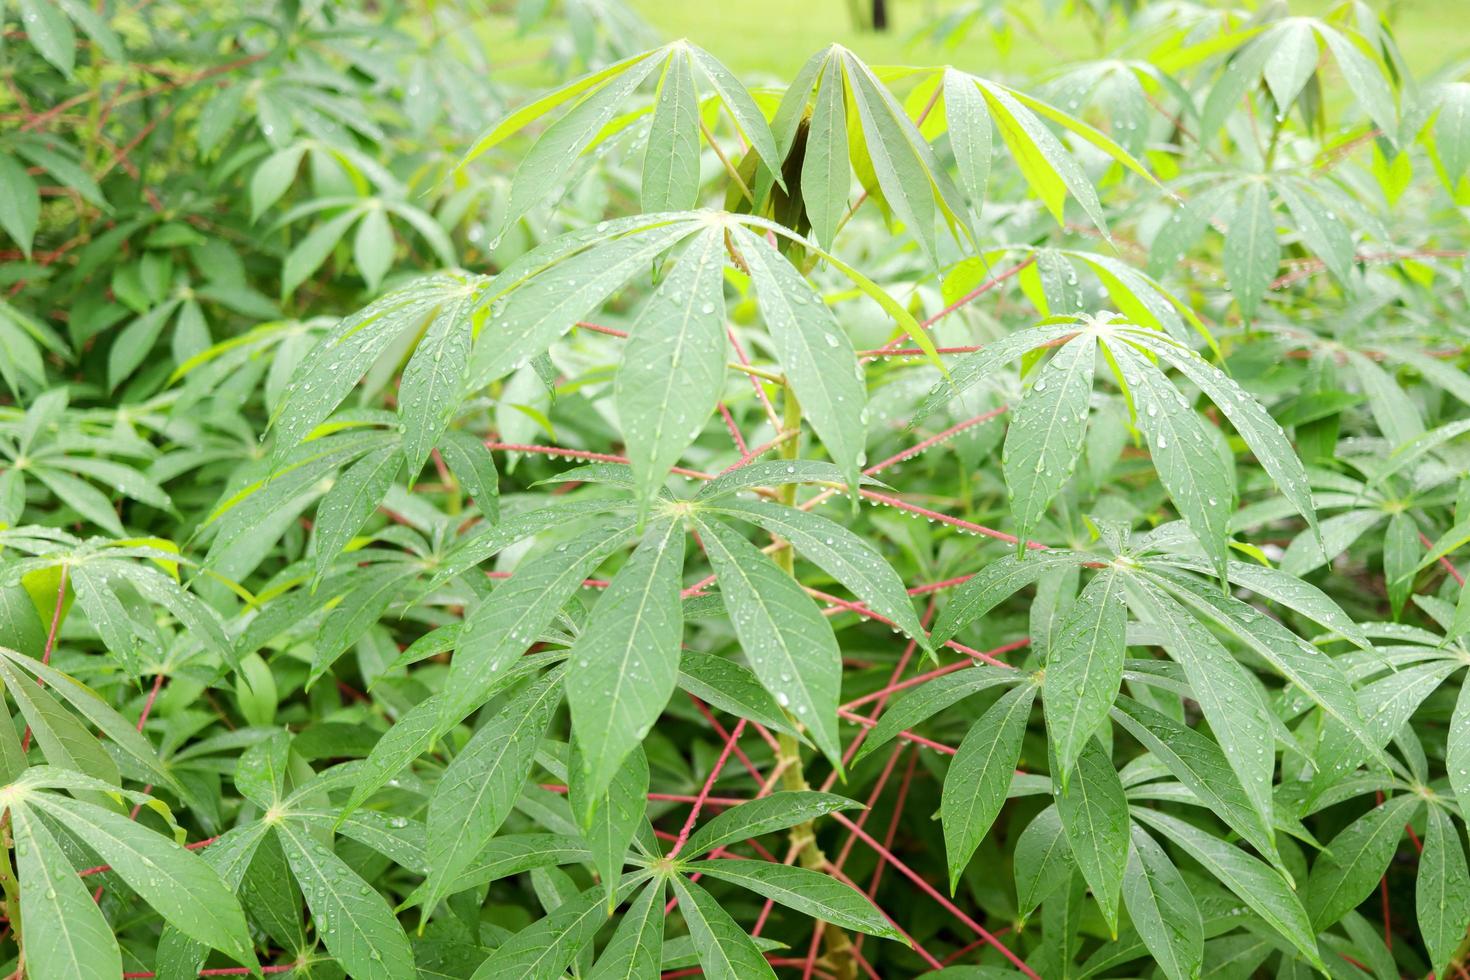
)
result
[(775, 37)]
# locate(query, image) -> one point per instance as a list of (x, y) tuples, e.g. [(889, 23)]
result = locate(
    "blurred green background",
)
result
[(776, 36)]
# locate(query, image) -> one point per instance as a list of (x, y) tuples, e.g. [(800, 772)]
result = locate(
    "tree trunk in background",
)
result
[(880, 15)]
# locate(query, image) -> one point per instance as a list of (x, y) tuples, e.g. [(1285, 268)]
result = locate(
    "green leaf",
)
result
[(474, 467), (626, 662), (726, 952), (816, 894), (64, 741), (1230, 698), (351, 918), (1443, 893), (610, 822), (481, 784), (512, 617), (1046, 432), (1042, 859), (432, 384), (1366, 80), (636, 948), (673, 366), (372, 246), (826, 175), (540, 309), (176, 882), (1315, 673), (731, 687), (545, 947), (326, 376), (970, 137), (1354, 860), (1200, 482), (1084, 667), (50, 33), (786, 639), (762, 816), (353, 498), (1162, 908), (1293, 60), (1264, 890), (893, 150), (122, 733), (1260, 431), (991, 586), (840, 553), (1201, 765), (66, 935), (815, 352), (1094, 814), (20, 201), (550, 160), (931, 698), (980, 775), (971, 369), (671, 158), (1252, 253), (313, 250)]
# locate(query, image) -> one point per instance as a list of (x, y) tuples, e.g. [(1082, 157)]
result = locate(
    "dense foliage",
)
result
[(488, 498)]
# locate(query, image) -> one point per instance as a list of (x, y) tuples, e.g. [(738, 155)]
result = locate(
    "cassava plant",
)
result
[(487, 493)]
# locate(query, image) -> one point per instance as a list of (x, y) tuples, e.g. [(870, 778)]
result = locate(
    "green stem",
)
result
[(9, 886), (803, 837)]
